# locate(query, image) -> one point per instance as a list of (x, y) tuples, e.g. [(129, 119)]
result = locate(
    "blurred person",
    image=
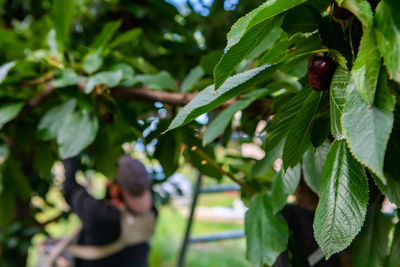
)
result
[(115, 231)]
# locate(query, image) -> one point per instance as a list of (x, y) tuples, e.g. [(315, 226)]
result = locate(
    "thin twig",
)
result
[(217, 166)]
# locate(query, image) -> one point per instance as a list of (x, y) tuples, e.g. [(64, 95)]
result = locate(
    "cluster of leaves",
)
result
[(73, 73), (341, 141), (64, 69)]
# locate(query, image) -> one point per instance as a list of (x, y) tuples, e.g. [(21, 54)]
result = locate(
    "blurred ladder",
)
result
[(187, 240)]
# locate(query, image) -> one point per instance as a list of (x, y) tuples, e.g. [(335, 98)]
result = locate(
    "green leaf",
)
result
[(107, 150), (370, 246), (392, 156), (168, 151), (360, 8), (293, 51), (264, 166), (43, 158), (238, 52), (61, 15), (264, 12), (365, 71), (9, 111), (7, 206), (278, 128), (68, 78), (241, 26), (320, 5), (283, 185), (313, 163), (320, 130), (267, 234), (367, 129), (338, 92), (279, 50), (298, 139), (192, 78), (92, 61), (218, 125), (394, 255), (338, 57), (53, 119), (391, 190), (126, 37), (209, 99), (141, 64), (268, 41), (197, 161), (108, 78), (159, 81), (16, 180), (127, 71), (77, 132), (106, 34), (4, 69), (308, 21), (388, 35), (210, 60), (343, 200)]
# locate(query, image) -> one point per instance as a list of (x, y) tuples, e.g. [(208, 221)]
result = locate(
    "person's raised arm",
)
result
[(70, 185), (91, 211)]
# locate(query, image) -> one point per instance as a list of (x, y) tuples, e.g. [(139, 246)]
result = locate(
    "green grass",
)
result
[(168, 238), (222, 200)]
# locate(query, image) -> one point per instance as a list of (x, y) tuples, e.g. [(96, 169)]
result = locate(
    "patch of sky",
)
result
[(202, 119), (201, 6)]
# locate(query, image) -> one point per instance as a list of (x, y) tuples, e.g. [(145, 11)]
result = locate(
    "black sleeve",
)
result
[(95, 214)]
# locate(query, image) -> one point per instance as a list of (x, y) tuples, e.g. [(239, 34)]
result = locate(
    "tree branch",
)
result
[(37, 99), (129, 94), (146, 94), (216, 165)]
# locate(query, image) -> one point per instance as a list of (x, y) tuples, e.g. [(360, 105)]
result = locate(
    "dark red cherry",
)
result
[(322, 67), (318, 85)]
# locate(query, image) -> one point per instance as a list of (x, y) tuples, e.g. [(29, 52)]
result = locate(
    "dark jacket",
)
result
[(301, 242), (101, 224)]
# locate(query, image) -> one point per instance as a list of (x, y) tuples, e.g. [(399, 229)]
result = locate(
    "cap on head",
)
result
[(132, 176)]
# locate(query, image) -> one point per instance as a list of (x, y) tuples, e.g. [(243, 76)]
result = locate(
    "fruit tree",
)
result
[(314, 84)]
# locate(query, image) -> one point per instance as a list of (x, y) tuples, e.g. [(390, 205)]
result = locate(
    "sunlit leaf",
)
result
[(298, 139), (9, 111), (343, 200), (208, 99), (218, 125), (77, 132), (53, 119), (367, 129)]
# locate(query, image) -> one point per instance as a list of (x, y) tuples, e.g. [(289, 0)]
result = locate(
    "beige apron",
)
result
[(135, 229)]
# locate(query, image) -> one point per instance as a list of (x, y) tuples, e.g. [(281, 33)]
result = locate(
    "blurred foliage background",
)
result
[(49, 48)]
